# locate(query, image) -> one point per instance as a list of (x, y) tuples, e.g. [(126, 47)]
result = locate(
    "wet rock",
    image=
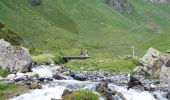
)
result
[(80, 77), (35, 85), (41, 79), (66, 92), (133, 81), (168, 96), (58, 77), (105, 91)]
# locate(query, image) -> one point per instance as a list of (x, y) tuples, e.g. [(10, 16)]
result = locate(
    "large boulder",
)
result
[(152, 62), (14, 59), (165, 72)]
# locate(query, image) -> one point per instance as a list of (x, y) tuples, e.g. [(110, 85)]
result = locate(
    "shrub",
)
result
[(3, 72), (81, 94), (58, 58), (34, 51)]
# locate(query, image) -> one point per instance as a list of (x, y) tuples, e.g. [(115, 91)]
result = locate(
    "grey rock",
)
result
[(31, 75), (120, 5), (58, 77), (80, 77), (165, 74), (35, 85), (105, 91), (66, 92), (14, 59), (11, 77), (151, 62)]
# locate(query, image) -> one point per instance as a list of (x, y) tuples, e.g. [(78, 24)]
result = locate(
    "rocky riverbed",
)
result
[(48, 82)]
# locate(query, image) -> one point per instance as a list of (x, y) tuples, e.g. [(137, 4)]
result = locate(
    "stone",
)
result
[(66, 92), (11, 77), (31, 75), (35, 85), (103, 89), (58, 77), (80, 77), (120, 5), (133, 81), (151, 62), (20, 77), (165, 72), (14, 59)]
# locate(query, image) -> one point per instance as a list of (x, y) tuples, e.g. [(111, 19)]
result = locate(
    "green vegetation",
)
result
[(10, 90), (109, 65), (58, 58), (7, 34), (3, 72), (71, 25), (81, 94), (43, 58)]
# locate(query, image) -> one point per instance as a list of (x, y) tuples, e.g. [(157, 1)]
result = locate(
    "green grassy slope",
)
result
[(69, 25)]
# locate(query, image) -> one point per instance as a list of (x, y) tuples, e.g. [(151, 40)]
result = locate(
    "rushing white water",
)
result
[(55, 89)]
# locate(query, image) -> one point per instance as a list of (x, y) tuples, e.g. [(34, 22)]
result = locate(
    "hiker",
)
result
[(86, 53), (81, 52)]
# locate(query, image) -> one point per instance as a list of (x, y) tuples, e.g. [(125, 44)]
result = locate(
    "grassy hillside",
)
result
[(68, 25)]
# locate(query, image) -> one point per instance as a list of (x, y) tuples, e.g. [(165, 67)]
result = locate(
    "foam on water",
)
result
[(43, 71), (42, 94)]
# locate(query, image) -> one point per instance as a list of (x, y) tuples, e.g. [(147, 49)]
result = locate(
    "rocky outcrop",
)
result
[(151, 62), (120, 5), (155, 63), (34, 2), (14, 59), (165, 72)]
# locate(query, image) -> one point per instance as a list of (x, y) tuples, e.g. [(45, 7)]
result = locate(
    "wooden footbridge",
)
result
[(67, 58)]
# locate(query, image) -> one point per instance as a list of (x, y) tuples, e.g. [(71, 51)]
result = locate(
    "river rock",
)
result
[(58, 77), (105, 91), (66, 92), (133, 81), (80, 77), (35, 85), (168, 95), (11, 77), (20, 77), (14, 59), (31, 75)]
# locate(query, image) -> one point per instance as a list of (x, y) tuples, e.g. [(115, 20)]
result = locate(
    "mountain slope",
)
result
[(69, 25)]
